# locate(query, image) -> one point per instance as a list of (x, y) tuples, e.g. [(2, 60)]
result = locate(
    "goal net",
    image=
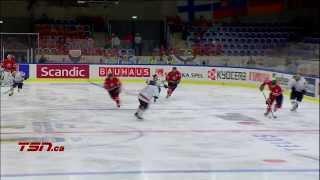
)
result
[(22, 45)]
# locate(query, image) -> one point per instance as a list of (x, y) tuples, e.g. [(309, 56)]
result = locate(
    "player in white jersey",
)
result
[(18, 78), (158, 83), (298, 86), (6, 80), (145, 97), (1, 75)]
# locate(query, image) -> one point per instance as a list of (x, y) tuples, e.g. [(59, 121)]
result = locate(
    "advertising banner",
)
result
[(62, 71), (311, 88), (124, 71), (194, 73), (232, 74), (259, 76), (283, 79), (24, 68)]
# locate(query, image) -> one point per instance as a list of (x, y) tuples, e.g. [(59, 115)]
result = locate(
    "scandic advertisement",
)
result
[(62, 71), (125, 71)]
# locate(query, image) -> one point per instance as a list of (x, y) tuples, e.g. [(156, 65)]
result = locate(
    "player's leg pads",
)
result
[(20, 85), (172, 86), (299, 96), (114, 93), (279, 100), (293, 95), (143, 105)]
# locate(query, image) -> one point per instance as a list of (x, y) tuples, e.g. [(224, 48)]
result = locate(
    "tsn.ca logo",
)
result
[(212, 74), (39, 147)]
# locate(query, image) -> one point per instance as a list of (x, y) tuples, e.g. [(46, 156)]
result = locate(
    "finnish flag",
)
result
[(190, 10)]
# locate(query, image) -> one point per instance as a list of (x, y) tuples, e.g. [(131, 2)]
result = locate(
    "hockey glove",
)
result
[(261, 88)]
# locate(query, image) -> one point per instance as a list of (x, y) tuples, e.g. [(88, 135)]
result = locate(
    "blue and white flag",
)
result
[(192, 9)]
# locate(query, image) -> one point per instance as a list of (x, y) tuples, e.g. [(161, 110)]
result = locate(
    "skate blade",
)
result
[(138, 117), (270, 116)]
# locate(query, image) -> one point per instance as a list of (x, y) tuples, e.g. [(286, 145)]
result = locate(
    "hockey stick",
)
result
[(265, 97), (124, 90), (95, 84)]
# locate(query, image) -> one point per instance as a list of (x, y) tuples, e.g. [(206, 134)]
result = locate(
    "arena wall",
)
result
[(240, 77)]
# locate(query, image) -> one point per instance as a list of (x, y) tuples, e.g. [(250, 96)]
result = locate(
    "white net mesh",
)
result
[(22, 45)]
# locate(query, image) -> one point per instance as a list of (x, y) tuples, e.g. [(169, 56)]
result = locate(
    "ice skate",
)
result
[(138, 116), (294, 107)]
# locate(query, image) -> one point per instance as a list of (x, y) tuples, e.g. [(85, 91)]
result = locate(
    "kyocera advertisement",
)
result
[(226, 74)]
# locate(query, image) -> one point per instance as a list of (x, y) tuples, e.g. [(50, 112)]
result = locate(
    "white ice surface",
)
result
[(200, 133)]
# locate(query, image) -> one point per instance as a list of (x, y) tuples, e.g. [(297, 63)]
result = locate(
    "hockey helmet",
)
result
[(152, 83), (297, 77), (155, 77)]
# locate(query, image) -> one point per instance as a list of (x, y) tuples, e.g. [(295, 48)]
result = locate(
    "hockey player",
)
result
[(18, 78), (113, 85), (145, 97), (155, 79), (6, 80), (1, 74), (9, 64), (275, 95), (298, 86), (173, 78)]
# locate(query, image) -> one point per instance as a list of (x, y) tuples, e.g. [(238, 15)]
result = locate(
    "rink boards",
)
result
[(202, 132), (245, 77)]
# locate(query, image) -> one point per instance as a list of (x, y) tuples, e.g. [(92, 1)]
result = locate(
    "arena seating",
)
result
[(312, 40), (240, 39), (62, 35)]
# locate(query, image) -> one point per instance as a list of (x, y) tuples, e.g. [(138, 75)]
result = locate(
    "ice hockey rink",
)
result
[(200, 133)]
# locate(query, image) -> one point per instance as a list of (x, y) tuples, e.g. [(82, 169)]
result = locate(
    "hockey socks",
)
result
[(117, 100), (294, 104)]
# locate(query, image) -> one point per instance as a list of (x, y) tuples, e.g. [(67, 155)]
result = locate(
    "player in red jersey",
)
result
[(9, 64), (113, 85), (173, 78), (275, 95)]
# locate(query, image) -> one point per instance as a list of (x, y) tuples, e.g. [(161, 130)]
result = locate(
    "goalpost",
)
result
[(23, 46)]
